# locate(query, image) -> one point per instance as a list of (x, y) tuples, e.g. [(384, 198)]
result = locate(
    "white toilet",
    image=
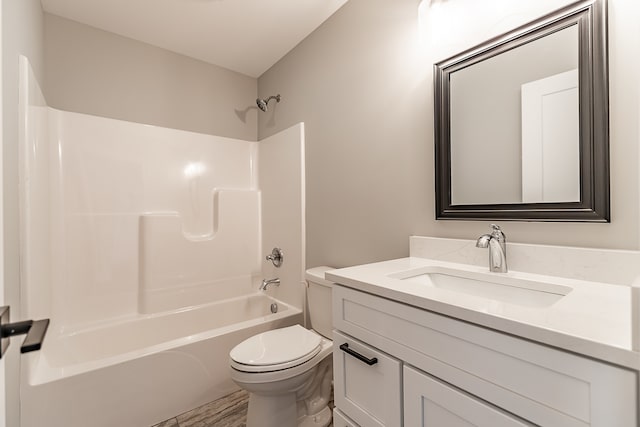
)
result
[(288, 371)]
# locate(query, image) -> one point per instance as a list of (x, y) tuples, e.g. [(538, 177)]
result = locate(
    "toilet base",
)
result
[(300, 401), (321, 419), (280, 411), (272, 411)]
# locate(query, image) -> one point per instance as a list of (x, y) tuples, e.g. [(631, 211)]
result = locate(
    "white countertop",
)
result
[(593, 319)]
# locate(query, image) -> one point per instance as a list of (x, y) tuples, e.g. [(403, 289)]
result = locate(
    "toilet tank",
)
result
[(319, 300)]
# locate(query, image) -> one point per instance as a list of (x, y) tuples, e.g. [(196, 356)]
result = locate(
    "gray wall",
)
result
[(363, 85), (368, 145), (21, 35), (96, 72)]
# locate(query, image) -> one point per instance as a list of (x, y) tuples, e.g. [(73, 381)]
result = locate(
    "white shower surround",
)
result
[(125, 225)]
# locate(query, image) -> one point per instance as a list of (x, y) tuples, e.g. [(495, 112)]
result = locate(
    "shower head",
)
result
[(262, 103)]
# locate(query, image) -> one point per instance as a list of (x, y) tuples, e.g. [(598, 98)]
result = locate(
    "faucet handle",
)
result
[(276, 257), (497, 232)]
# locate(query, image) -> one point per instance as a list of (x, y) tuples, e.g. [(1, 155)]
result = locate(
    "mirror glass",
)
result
[(519, 112), (522, 123)]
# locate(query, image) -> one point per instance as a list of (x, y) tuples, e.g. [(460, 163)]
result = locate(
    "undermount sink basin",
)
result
[(495, 286)]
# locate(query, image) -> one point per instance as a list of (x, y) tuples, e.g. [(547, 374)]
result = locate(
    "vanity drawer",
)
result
[(429, 402), (546, 386), (367, 389)]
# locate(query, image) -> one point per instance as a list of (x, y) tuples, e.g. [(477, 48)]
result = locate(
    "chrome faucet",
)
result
[(497, 244), (267, 282)]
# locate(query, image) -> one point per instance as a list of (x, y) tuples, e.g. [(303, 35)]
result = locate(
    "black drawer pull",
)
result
[(345, 347)]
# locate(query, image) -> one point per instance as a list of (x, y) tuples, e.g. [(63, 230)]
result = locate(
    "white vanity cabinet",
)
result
[(433, 370)]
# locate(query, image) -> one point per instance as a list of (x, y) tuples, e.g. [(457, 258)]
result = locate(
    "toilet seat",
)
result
[(276, 350)]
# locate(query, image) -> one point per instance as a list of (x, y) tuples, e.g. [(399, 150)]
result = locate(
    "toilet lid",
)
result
[(279, 348)]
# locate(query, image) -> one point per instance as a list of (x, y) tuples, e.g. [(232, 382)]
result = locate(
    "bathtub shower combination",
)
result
[(145, 247)]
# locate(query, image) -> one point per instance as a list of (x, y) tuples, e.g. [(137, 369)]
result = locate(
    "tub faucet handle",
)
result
[(276, 257)]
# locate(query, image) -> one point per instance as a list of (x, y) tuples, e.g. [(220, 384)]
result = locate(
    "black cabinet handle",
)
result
[(345, 347)]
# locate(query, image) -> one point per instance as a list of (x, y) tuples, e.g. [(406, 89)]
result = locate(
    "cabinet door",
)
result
[(369, 394), (429, 402)]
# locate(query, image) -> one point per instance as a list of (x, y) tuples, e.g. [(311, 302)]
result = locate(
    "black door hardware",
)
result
[(345, 347), (35, 331)]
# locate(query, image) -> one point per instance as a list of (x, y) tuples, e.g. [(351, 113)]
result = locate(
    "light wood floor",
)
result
[(229, 411)]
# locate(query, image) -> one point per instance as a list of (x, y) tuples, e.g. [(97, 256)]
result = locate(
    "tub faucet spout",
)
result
[(497, 244), (267, 282)]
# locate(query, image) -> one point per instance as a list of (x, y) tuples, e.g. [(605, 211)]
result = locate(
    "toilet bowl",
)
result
[(288, 371)]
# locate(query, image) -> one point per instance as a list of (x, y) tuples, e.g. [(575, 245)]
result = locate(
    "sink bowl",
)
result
[(495, 286)]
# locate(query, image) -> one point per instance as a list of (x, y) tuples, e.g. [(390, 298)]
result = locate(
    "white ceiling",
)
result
[(247, 36)]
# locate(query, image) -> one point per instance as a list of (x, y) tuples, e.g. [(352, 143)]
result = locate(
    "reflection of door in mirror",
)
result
[(550, 139), (486, 126)]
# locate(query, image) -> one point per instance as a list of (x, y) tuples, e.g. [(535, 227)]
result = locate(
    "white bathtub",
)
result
[(143, 370)]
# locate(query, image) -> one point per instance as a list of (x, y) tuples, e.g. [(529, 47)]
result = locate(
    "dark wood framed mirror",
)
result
[(522, 123)]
